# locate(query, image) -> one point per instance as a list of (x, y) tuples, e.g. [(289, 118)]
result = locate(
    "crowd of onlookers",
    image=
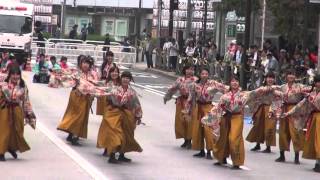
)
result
[(256, 61)]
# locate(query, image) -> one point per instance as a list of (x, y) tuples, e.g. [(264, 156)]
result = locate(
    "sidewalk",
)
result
[(142, 66)]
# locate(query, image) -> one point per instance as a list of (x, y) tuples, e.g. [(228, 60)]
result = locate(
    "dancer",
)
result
[(226, 119), (264, 126), (105, 70), (75, 119), (15, 110), (308, 109), (202, 94), (183, 126)]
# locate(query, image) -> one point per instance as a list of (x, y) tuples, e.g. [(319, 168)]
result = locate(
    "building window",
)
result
[(109, 27), (121, 28)]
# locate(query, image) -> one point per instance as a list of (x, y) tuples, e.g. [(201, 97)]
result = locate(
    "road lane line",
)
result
[(76, 157)]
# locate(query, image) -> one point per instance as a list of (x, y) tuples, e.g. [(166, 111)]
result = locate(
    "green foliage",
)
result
[(238, 5), (292, 18)]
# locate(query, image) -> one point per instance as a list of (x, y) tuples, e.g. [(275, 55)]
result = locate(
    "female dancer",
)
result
[(203, 93), (112, 81), (292, 94), (105, 70), (309, 109), (229, 113), (121, 116), (264, 127), (183, 127), (75, 119), (15, 110)]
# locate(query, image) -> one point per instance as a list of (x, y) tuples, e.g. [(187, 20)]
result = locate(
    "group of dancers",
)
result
[(218, 127), (205, 126), (118, 104)]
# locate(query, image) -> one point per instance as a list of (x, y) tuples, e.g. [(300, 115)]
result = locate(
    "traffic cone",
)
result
[(28, 65)]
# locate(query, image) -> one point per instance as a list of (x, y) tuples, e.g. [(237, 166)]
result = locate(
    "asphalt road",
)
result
[(53, 158)]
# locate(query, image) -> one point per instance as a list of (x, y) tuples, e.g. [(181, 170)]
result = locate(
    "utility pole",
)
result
[(189, 17), (263, 22), (159, 21), (243, 79), (205, 19), (138, 27), (171, 9), (63, 19)]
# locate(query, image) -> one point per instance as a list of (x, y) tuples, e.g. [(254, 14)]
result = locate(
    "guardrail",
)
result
[(123, 55)]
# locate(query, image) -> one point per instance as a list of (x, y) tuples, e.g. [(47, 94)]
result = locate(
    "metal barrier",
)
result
[(123, 55)]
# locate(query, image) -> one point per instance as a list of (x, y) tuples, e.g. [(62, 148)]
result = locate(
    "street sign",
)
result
[(231, 30)]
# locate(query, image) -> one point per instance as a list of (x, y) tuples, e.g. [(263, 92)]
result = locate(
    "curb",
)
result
[(158, 72)]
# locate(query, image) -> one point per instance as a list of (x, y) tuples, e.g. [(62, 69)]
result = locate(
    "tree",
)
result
[(293, 18)]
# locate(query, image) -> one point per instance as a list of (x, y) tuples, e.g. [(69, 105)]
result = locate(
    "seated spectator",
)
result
[(63, 62), (41, 70), (53, 65)]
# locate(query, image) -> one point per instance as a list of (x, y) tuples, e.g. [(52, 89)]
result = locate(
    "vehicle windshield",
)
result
[(15, 24)]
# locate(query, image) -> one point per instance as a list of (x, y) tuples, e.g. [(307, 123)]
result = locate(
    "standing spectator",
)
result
[(126, 45), (273, 65), (40, 36), (57, 33), (73, 33), (106, 43), (314, 55), (238, 54), (198, 50), (166, 50), (255, 55), (270, 48), (84, 32), (90, 28), (149, 49), (173, 54), (190, 49)]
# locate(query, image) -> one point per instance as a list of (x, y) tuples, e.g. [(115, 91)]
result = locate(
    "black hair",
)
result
[(53, 58), (127, 74), (109, 53), (268, 75), (185, 67), (43, 55), (80, 58), (290, 72), (89, 60), (315, 80), (112, 69), (202, 69), (63, 58), (234, 77), (15, 70)]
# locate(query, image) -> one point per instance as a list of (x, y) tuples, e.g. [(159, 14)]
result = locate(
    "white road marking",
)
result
[(76, 157)]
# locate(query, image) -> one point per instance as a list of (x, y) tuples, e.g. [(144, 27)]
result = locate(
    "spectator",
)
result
[(4, 59), (41, 74), (84, 32), (314, 55), (40, 36), (107, 42), (53, 65), (90, 28), (198, 50), (166, 50), (238, 55), (63, 62), (126, 45), (272, 65), (57, 33), (173, 54), (73, 33), (270, 48), (190, 49), (149, 50)]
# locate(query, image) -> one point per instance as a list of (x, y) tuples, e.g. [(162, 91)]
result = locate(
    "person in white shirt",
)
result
[(173, 54), (166, 49), (190, 49)]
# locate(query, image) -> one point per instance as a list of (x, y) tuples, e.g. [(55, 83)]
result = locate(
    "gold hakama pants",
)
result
[(231, 140), (264, 128), (12, 129), (116, 133), (288, 132), (183, 127), (311, 149), (75, 119), (101, 104), (200, 133)]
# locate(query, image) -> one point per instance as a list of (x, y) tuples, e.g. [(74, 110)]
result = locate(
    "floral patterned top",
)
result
[(18, 95), (105, 72), (231, 102), (3, 76), (204, 92), (79, 80), (183, 85), (304, 108), (293, 94)]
